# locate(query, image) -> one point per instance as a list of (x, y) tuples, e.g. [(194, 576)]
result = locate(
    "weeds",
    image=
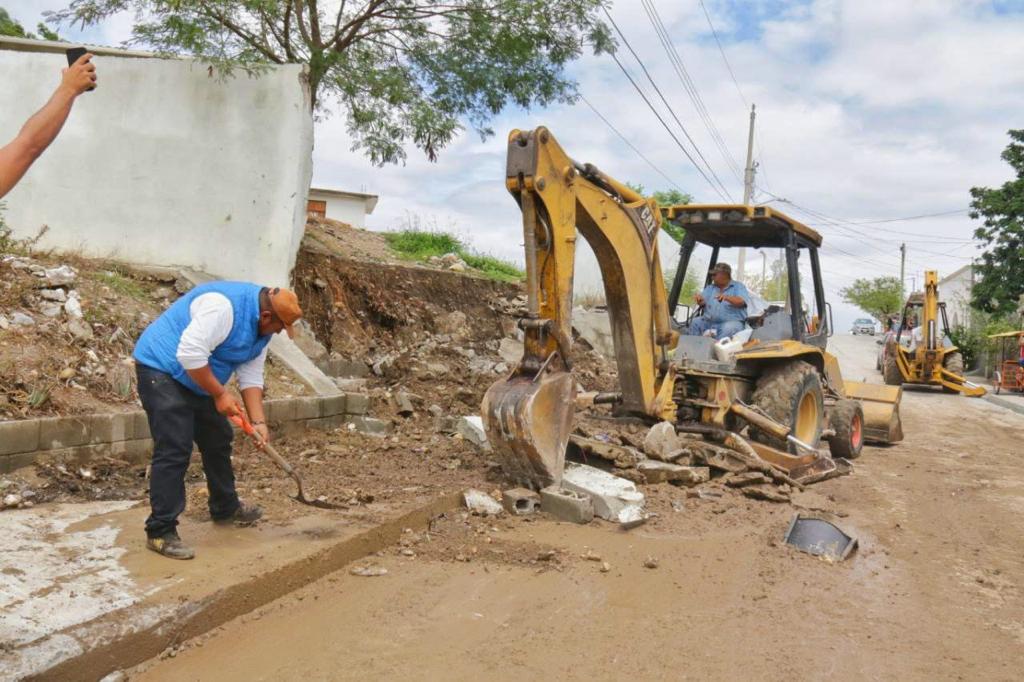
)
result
[(415, 243), (121, 284)]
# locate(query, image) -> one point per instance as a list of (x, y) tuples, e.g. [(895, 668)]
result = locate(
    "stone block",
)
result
[(333, 405), (661, 472), (111, 428), (567, 505), (280, 411), (331, 423), (9, 463), (140, 428), (137, 450), (19, 436), (307, 408), (63, 432), (520, 501), (662, 441), (615, 498), (357, 403)]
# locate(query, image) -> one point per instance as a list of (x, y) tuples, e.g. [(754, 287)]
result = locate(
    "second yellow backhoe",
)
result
[(782, 388), (931, 359)]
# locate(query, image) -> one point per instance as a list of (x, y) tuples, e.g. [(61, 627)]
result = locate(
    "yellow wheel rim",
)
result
[(807, 418)]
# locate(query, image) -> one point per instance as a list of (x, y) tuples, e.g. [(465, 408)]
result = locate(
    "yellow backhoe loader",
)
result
[(781, 385), (931, 359)]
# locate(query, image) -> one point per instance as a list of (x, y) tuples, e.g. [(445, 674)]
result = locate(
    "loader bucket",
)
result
[(881, 410), (528, 419)]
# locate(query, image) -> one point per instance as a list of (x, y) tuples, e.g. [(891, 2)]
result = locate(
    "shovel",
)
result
[(247, 428)]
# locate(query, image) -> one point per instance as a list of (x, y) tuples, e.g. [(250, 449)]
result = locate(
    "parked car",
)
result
[(863, 326)]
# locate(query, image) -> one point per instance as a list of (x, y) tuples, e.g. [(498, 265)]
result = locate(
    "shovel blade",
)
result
[(527, 421)]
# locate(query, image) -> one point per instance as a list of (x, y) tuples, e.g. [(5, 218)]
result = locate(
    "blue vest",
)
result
[(158, 345)]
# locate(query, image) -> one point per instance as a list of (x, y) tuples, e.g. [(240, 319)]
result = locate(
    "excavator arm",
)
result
[(528, 415)]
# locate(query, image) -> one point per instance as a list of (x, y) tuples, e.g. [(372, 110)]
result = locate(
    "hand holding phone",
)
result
[(80, 75)]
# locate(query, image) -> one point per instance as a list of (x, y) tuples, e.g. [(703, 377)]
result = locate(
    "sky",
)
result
[(867, 111)]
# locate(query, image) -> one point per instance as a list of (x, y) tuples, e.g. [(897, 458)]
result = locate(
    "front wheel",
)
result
[(791, 394), (847, 420)]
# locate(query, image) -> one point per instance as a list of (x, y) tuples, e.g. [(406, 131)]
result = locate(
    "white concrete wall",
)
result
[(163, 164), (351, 210), (587, 282), (956, 292)]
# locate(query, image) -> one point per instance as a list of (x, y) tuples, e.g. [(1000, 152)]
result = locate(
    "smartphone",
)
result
[(74, 54)]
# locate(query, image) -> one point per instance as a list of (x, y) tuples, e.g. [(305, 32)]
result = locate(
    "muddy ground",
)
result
[(934, 592)]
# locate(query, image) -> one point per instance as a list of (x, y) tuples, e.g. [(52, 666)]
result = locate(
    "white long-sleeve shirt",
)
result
[(212, 319)]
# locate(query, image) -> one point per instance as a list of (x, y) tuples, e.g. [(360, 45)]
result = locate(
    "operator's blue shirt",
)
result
[(723, 311)]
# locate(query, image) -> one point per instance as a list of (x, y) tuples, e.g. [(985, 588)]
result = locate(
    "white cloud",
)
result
[(866, 110)]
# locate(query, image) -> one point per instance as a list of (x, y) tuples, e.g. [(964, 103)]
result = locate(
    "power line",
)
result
[(913, 217), (630, 144), (650, 79), (725, 59), (689, 86)]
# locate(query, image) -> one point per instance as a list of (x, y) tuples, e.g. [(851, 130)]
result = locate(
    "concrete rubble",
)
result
[(662, 441), (520, 501), (472, 429), (567, 505), (481, 503), (615, 498)]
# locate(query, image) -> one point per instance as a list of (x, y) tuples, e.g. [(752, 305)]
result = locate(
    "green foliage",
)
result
[(668, 197), (402, 70), (972, 340), (692, 284), (774, 286), (420, 245), (969, 341), (879, 297), (121, 284), (10, 27), (1001, 268)]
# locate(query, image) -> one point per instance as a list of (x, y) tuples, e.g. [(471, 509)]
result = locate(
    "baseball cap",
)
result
[(285, 305)]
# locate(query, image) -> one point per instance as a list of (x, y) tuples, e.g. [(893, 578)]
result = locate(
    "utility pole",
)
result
[(764, 274), (903, 266), (748, 188)]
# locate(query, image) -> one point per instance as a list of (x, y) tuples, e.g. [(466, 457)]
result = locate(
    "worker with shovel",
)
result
[(183, 361)]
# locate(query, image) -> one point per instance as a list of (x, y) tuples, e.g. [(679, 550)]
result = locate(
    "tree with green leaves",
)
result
[(402, 70), (879, 297), (10, 27), (667, 197), (1000, 271), (774, 285)]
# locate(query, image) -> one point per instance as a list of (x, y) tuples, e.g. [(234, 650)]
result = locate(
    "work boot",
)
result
[(245, 515), (171, 546)]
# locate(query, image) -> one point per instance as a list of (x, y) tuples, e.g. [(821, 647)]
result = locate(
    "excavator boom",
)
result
[(528, 415)]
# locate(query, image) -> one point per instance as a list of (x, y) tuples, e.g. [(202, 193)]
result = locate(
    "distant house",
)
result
[(955, 290), (346, 207)]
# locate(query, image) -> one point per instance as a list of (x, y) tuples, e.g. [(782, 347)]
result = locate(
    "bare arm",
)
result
[(42, 128)]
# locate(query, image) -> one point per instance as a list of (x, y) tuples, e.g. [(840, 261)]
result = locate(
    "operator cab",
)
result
[(782, 274)]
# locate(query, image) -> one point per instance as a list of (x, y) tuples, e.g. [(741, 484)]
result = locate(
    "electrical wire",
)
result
[(664, 101), (631, 145), (690, 87)]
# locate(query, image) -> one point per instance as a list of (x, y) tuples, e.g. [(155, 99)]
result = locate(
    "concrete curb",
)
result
[(125, 435), (1016, 406), (109, 652)]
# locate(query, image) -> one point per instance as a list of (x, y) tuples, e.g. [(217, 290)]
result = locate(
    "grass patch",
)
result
[(421, 245), (121, 284)]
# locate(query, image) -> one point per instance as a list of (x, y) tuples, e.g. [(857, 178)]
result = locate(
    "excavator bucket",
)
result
[(881, 406), (528, 418)]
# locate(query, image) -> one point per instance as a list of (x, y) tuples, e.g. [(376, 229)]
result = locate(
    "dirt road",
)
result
[(933, 593)]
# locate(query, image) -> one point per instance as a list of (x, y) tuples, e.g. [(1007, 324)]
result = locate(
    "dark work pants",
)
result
[(177, 418)]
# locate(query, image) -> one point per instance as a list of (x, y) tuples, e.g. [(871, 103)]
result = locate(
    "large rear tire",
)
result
[(791, 395), (953, 362), (847, 419), (890, 370)]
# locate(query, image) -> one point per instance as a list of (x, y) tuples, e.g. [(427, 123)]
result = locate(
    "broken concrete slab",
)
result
[(472, 429), (369, 426), (715, 456), (747, 478), (595, 328), (511, 351), (612, 495), (567, 505), (665, 472), (481, 503), (662, 441), (767, 493), (520, 501), (621, 456)]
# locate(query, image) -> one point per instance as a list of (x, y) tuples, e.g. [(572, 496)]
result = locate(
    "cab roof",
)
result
[(728, 225)]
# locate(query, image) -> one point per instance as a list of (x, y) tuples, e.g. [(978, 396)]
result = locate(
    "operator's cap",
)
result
[(285, 305), (722, 267)]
